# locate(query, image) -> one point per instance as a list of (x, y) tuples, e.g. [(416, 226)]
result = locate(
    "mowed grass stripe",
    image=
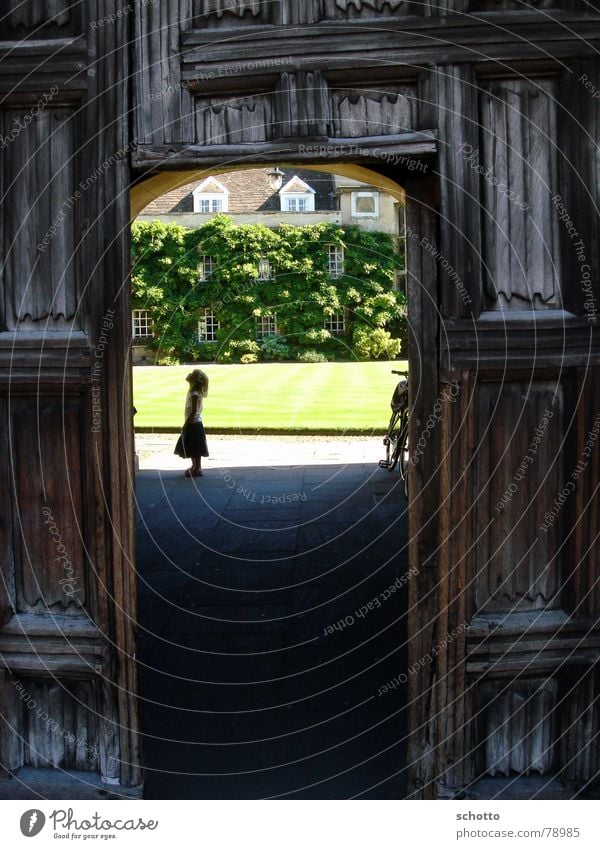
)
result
[(284, 397), (310, 397)]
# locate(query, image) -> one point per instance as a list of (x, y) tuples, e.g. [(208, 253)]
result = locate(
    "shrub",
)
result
[(235, 349), (275, 348), (248, 359), (374, 343), (312, 356)]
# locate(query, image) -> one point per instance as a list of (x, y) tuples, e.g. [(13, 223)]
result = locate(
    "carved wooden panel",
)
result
[(373, 112), (231, 13), (227, 13), (580, 186), (517, 727), (516, 5), (345, 9), (60, 724), (584, 548), (39, 220), (40, 19), (46, 449), (7, 570), (460, 230), (518, 164), (520, 433), (580, 720), (302, 105), (33, 13), (288, 12), (233, 121)]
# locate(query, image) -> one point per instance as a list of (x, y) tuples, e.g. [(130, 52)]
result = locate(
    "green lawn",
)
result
[(343, 397)]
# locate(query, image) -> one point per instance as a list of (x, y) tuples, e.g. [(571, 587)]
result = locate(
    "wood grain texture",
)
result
[(33, 13), (39, 231), (46, 467), (519, 467), (519, 165), (60, 724), (373, 113), (302, 105), (112, 448), (517, 724), (455, 93), (579, 723), (12, 738), (164, 109), (579, 187), (232, 14), (236, 121), (7, 566), (424, 492), (340, 9), (68, 453), (584, 545), (517, 5), (457, 529)]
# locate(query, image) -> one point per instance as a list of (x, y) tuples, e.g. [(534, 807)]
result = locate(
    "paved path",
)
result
[(249, 691)]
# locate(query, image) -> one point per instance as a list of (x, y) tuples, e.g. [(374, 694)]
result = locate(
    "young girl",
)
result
[(192, 442)]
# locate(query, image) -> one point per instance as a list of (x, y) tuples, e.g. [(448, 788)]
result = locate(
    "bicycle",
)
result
[(396, 438)]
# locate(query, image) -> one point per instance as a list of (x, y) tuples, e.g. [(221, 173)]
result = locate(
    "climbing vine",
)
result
[(251, 272)]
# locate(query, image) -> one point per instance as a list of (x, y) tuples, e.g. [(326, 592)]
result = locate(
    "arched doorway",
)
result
[(309, 702)]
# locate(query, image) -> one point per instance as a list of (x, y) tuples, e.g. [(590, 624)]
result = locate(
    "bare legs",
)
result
[(196, 470)]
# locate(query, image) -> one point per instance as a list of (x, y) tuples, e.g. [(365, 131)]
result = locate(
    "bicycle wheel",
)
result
[(404, 458), (390, 440), (397, 440)]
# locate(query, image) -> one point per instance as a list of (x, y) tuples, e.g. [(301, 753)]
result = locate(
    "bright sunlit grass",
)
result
[(342, 397)]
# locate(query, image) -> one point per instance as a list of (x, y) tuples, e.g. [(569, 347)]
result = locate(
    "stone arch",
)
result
[(151, 188)]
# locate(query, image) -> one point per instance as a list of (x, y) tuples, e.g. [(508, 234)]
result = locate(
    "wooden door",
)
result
[(67, 591), (503, 664)]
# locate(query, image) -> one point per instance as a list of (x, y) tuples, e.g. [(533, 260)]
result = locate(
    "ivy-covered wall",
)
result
[(302, 293)]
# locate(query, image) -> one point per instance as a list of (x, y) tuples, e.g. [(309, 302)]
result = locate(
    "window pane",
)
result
[(265, 270), (336, 323), (208, 327), (142, 324), (365, 204), (205, 267), (336, 260), (266, 325)]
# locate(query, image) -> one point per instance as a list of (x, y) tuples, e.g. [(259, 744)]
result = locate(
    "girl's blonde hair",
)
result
[(200, 381)]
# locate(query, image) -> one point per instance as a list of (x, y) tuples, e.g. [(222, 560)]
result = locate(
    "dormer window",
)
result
[(211, 197), (297, 196)]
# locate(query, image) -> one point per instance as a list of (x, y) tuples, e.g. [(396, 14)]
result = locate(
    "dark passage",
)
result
[(272, 611)]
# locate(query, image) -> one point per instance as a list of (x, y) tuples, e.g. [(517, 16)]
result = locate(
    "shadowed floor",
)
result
[(268, 626)]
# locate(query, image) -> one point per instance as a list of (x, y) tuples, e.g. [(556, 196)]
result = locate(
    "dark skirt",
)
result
[(192, 442)]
